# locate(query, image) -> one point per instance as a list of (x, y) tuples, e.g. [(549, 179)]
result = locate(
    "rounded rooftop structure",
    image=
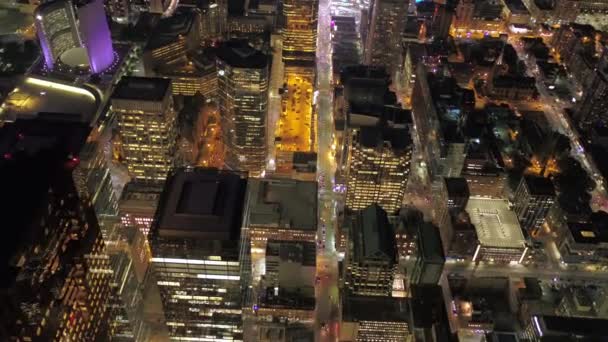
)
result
[(76, 58)]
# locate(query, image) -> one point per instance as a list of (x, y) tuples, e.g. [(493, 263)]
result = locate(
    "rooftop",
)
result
[(568, 326), (539, 186), (375, 308), (293, 251), (373, 236), (399, 138), (281, 203), (34, 96), (495, 223), (457, 186), (142, 89), (587, 232), (429, 242), (168, 29), (201, 203), (239, 54), (140, 192)]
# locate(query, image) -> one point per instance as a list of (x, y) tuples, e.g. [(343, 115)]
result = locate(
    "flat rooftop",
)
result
[(301, 252), (201, 203), (283, 203), (457, 186), (375, 308), (374, 236), (33, 96), (496, 225), (239, 54), (540, 186), (596, 328), (142, 89), (140, 192)]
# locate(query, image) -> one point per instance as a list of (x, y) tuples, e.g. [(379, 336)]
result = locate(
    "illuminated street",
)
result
[(210, 150), (554, 110), (327, 292)]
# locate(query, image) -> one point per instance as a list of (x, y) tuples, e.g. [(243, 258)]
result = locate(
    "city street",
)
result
[(327, 292), (554, 111)]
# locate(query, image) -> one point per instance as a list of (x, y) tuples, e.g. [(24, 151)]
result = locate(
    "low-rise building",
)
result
[(373, 318), (501, 239), (281, 209)]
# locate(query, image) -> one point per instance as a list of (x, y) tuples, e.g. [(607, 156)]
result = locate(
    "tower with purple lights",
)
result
[(57, 32), (95, 34), (74, 36)]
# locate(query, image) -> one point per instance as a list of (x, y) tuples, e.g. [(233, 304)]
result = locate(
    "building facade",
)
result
[(534, 198), (300, 31), (243, 102), (56, 29), (146, 118), (378, 168), (195, 241), (372, 257), (55, 273), (74, 40), (387, 23)]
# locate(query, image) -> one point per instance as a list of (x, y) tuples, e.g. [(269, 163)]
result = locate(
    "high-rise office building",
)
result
[(427, 265), (95, 34), (243, 103), (83, 43), (300, 31), (126, 249), (372, 259), (379, 165), (386, 25), (533, 199), (137, 204), (146, 117), (374, 318), (196, 259), (214, 14), (57, 30), (55, 284)]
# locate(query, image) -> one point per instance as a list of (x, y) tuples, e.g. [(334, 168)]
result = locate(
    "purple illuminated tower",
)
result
[(95, 35), (56, 28)]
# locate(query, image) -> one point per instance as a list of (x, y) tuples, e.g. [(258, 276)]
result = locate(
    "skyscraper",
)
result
[(68, 40), (243, 104), (196, 257), (146, 117), (56, 29), (372, 259), (386, 25), (300, 31), (95, 34), (54, 280), (125, 249), (138, 204), (533, 199), (378, 167)]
